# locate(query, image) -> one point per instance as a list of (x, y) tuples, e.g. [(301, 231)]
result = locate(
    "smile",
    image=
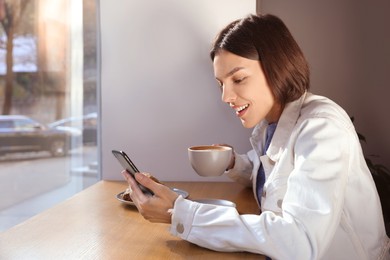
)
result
[(241, 109)]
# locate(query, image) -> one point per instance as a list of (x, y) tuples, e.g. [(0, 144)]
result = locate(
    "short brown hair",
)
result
[(267, 39)]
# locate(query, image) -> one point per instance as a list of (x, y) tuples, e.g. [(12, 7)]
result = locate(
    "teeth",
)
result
[(239, 109)]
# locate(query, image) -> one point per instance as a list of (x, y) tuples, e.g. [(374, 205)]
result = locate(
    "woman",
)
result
[(307, 169)]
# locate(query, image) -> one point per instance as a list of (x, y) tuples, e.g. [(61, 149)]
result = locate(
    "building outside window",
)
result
[(49, 110)]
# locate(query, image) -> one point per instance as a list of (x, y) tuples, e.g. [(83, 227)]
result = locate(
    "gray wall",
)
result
[(347, 44), (159, 95)]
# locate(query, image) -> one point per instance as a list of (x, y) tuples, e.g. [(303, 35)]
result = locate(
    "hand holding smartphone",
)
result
[(130, 167)]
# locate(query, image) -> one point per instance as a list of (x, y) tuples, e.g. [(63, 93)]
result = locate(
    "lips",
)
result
[(240, 110)]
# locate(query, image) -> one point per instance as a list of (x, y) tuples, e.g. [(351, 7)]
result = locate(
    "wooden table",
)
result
[(93, 224)]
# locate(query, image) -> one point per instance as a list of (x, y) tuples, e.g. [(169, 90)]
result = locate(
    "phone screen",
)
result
[(130, 167)]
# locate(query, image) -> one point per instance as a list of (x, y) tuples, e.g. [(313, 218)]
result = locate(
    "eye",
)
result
[(239, 80)]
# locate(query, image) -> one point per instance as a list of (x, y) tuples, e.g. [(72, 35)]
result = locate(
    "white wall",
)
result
[(159, 95), (347, 44)]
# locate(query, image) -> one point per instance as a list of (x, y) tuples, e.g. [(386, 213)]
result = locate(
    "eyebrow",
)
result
[(234, 70)]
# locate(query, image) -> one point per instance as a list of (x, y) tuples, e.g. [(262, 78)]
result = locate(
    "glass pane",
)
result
[(48, 104)]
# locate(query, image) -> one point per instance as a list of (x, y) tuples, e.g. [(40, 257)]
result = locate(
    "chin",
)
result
[(247, 124)]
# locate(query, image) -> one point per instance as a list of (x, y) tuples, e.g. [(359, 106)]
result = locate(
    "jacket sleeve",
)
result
[(311, 208), (242, 170)]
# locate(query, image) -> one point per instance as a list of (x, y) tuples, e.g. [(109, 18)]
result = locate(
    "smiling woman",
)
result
[(306, 167), (52, 76)]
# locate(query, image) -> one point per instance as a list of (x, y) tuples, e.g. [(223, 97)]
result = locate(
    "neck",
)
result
[(275, 113)]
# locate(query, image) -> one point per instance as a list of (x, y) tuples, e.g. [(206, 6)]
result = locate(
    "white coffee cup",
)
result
[(209, 160)]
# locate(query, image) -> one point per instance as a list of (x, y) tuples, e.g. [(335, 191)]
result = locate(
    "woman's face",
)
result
[(245, 88)]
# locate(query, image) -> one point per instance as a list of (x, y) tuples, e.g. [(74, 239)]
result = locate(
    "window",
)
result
[(48, 104)]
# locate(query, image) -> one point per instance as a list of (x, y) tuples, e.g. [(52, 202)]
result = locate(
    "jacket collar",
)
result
[(282, 133)]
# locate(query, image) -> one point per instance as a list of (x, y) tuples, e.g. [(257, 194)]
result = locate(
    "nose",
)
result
[(228, 95)]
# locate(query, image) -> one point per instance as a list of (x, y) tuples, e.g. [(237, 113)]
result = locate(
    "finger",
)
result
[(125, 175), (136, 194), (159, 190), (143, 179)]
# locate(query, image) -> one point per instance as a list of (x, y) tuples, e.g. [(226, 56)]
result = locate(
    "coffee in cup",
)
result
[(209, 160)]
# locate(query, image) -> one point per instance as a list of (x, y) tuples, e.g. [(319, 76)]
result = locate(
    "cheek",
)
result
[(263, 103), (262, 97), (265, 95)]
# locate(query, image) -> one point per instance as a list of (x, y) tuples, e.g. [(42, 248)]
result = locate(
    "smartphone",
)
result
[(130, 167)]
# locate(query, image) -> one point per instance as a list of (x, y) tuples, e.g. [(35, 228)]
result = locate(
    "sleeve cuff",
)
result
[(182, 217)]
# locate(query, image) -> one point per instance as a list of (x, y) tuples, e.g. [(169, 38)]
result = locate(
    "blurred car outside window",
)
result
[(50, 76)]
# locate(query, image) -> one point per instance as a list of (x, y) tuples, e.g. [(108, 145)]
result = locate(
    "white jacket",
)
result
[(319, 199)]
